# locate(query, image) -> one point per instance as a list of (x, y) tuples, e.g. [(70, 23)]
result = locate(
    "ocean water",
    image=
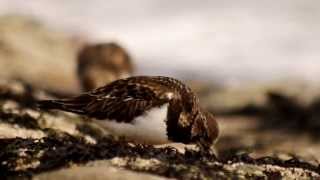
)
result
[(229, 41)]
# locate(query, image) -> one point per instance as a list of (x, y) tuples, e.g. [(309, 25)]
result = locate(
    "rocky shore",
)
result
[(267, 134)]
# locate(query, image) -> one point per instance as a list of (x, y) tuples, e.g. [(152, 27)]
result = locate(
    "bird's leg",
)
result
[(40, 115), (41, 118), (207, 150), (86, 119)]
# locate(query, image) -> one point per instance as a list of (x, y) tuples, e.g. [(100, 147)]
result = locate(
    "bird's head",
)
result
[(205, 130)]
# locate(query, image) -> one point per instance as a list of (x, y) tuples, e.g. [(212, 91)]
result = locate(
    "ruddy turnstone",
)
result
[(147, 109), (99, 64)]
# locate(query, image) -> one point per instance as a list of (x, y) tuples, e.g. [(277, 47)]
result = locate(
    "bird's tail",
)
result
[(64, 105)]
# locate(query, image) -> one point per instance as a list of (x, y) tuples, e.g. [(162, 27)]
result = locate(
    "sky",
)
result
[(243, 40)]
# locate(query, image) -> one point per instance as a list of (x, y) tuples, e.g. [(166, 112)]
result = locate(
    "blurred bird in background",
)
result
[(100, 64)]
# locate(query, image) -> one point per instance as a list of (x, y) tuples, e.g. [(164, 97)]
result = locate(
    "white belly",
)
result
[(148, 128)]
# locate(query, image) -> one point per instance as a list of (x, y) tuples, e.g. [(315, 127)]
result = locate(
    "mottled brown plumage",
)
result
[(99, 64), (125, 99)]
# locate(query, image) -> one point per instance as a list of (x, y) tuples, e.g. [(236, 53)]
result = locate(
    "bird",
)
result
[(145, 109), (102, 63)]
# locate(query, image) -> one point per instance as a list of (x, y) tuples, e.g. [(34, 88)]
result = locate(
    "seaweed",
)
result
[(60, 150), (23, 120)]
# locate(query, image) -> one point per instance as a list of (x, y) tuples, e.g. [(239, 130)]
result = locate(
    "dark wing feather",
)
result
[(121, 101)]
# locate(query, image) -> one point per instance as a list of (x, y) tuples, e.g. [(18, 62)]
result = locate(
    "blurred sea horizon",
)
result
[(228, 41)]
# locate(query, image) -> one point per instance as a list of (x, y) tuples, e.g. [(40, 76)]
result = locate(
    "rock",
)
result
[(96, 172), (37, 54), (233, 98)]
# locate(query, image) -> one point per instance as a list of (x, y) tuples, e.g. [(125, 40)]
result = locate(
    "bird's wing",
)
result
[(121, 101)]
